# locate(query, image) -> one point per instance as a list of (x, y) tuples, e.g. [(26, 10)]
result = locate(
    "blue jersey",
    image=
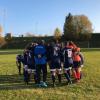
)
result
[(40, 54)]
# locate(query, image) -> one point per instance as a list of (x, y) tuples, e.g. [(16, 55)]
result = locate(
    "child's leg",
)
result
[(26, 77), (74, 73), (67, 75), (44, 70), (38, 73), (19, 68), (59, 75), (35, 76), (25, 72), (78, 73), (53, 73)]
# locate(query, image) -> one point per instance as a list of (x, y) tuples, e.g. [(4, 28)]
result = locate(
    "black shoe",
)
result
[(59, 82), (69, 82), (26, 83), (54, 85)]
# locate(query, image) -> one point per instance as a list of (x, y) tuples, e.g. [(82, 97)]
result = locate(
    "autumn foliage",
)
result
[(77, 27)]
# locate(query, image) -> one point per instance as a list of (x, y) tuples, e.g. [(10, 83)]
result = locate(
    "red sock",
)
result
[(78, 75), (75, 74)]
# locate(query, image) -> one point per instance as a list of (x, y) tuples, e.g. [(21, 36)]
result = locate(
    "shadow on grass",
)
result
[(14, 82)]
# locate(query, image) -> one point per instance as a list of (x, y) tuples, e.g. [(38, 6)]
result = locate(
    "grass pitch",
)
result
[(12, 86)]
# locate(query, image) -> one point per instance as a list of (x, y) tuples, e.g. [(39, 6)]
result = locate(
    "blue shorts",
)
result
[(55, 64), (76, 64), (68, 63), (30, 66)]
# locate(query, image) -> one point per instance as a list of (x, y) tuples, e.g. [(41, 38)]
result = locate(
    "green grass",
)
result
[(12, 86)]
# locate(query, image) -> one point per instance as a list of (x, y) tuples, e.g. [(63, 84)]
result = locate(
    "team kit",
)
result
[(66, 59)]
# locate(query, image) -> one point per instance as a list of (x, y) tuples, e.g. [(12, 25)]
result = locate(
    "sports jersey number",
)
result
[(69, 53), (55, 51)]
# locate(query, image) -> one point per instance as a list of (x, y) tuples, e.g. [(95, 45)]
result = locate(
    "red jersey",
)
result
[(76, 57)]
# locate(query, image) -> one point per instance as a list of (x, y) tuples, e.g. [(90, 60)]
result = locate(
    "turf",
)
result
[(12, 86)]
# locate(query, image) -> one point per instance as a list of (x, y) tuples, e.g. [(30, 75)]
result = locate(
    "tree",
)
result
[(57, 34), (2, 40), (1, 30), (46, 35), (68, 27), (82, 26), (28, 34), (77, 27), (8, 37)]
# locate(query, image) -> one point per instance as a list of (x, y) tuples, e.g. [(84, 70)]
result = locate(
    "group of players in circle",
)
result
[(38, 56)]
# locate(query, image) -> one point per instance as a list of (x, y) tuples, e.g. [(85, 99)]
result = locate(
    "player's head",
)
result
[(77, 49), (41, 42), (67, 43), (71, 43)]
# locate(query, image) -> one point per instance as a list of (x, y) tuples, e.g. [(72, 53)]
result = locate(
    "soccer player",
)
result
[(31, 62), (19, 60), (68, 61), (82, 63), (76, 64), (72, 44), (25, 69), (55, 62), (41, 63)]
